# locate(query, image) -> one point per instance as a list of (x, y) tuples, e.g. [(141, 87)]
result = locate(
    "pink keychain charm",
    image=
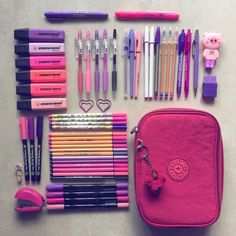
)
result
[(28, 200), (86, 105)]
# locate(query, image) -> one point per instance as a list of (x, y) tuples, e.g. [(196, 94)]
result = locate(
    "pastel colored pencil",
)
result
[(87, 187), (88, 146), (89, 115), (91, 165), (94, 153), (87, 200), (90, 178), (87, 134), (89, 169), (87, 123), (63, 142), (85, 149), (88, 127), (52, 207), (88, 161), (85, 119), (111, 173)]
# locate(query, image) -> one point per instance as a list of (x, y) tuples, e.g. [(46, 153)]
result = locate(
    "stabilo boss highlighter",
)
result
[(40, 49), (42, 104), (41, 62), (39, 35), (41, 90), (41, 76)]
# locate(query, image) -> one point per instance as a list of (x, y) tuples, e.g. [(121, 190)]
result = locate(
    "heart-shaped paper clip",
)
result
[(103, 104), (86, 105)]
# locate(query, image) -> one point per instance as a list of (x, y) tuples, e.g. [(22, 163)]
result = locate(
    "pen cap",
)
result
[(31, 128), (24, 105), (23, 90), (21, 34), (23, 62), (55, 187), (23, 76), (23, 128), (131, 41), (39, 127), (22, 49)]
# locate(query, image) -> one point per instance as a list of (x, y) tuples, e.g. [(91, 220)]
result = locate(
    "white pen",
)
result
[(146, 62), (151, 65)]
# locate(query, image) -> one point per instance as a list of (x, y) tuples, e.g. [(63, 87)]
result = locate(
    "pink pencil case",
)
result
[(178, 166)]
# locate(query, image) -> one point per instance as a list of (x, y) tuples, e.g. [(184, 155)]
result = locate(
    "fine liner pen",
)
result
[(195, 61), (39, 147), (23, 135), (151, 62), (97, 73), (75, 15), (104, 57), (126, 54), (32, 148), (131, 61), (146, 62), (79, 55), (157, 55), (88, 65), (114, 71)]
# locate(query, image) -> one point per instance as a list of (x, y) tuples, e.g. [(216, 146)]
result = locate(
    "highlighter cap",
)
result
[(22, 49), (24, 105), (23, 90), (23, 63), (21, 34), (31, 128), (40, 127), (23, 76), (23, 128)]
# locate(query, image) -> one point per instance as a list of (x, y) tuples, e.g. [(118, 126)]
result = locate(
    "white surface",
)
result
[(211, 16)]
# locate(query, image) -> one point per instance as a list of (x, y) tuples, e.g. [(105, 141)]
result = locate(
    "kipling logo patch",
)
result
[(178, 169)]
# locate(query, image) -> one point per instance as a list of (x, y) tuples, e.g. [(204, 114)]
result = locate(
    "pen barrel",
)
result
[(131, 75), (125, 76), (187, 71), (146, 69), (88, 82), (173, 69), (26, 161), (32, 161), (80, 82), (137, 72), (39, 161), (114, 80), (156, 85), (151, 71), (167, 70), (179, 75), (105, 81), (97, 81), (195, 72)]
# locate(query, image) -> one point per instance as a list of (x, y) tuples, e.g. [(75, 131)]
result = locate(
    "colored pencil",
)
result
[(73, 142), (89, 115), (95, 173), (86, 165), (87, 178), (88, 127), (89, 169), (87, 134), (87, 161), (94, 153), (85, 119), (87, 146)]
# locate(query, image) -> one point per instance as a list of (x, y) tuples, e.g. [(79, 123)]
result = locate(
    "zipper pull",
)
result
[(134, 130)]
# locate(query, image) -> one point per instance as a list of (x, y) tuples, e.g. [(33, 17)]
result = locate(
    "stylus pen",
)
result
[(126, 54), (168, 60), (104, 57), (157, 61), (151, 63), (97, 73), (23, 135), (138, 49), (162, 58), (80, 61), (88, 64), (131, 61), (146, 62), (39, 147), (195, 54), (187, 51), (31, 135), (114, 71), (181, 41)]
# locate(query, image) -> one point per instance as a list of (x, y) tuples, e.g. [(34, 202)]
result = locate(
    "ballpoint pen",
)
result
[(96, 72), (23, 136), (168, 60), (131, 61), (146, 61), (104, 53), (32, 147), (114, 71), (151, 63), (187, 50), (162, 59), (79, 57), (173, 64), (39, 147), (138, 48), (157, 55), (181, 42), (125, 54), (195, 52), (88, 64)]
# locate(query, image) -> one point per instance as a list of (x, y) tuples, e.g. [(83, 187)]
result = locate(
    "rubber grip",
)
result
[(80, 81), (114, 81)]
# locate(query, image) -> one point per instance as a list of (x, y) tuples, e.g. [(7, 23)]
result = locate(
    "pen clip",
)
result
[(76, 48), (87, 48), (193, 48), (113, 47)]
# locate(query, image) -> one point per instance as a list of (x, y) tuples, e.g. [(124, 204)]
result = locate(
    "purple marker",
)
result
[(39, 147), (131, 61), (180, 61), (126, 53), (157, 54), (32, 147), (39, 35), (97, 73), (74, 15)]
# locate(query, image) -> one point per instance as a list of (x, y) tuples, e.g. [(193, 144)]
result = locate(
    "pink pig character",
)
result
[(211, 43)]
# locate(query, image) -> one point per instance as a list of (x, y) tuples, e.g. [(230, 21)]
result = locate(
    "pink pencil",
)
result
[(94, 165), (91, 169), (115, 161), (112, 173)]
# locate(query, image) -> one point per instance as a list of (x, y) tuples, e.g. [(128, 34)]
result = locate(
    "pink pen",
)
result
[(88, 64), (187, 62), (90, 169), (80, 61), (135, 15), (104, 56), (138, 48)]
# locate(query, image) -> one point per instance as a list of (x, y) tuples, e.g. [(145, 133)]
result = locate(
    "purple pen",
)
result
[(180, 61), (131, 61), (195, 61), (97, 73), (187, 50), (126, 52), (104, 56), (74, 15), (39, 35), (157, 54)]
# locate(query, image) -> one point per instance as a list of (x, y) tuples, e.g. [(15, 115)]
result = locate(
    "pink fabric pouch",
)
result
[(178, 168)]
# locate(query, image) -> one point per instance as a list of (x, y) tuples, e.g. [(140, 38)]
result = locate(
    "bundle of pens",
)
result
[(87, 195), (160, 62), (42, 65), (86, 155)]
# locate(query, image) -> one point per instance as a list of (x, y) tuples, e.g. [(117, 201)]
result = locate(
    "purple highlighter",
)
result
[(39, 35)]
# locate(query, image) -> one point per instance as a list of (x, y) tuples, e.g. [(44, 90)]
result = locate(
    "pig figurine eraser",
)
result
[(211, 44)]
